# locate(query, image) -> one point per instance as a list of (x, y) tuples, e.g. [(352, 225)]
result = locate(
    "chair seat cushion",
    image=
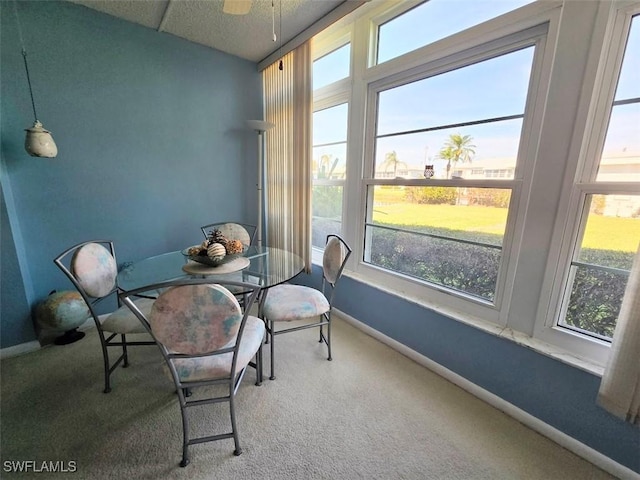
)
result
[(219, 366), (123, 320), (286, 302)]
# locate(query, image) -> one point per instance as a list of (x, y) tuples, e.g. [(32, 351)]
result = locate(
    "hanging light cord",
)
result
[(24, 57), (273, 20), (280, 66)]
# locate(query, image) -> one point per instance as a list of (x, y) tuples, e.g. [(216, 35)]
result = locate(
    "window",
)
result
[(329, 171), (332, 60), (332, 67), (608, 230), (434, 20), (487, 154), (450, 236)]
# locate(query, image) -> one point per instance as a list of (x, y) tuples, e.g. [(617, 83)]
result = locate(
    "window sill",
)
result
[(517, 337)]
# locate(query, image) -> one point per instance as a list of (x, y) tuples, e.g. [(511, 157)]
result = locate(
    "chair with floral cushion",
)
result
[(287, 302), (91, 266), (233, 231), (206, 339)]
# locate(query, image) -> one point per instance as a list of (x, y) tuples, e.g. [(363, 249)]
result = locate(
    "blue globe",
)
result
[(64, 311)]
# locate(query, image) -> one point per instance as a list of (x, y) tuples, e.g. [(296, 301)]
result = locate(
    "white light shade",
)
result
[(260, 125), (39, 142)]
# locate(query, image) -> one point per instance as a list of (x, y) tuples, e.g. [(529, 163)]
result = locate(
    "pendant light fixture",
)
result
[(38, 142), (273, 28)]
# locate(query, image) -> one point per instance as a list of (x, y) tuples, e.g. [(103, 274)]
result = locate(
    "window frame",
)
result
[(468, 54), (580, 182), (558, 125), (332, 95)]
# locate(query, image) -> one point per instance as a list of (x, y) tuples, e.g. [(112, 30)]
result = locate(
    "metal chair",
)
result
[(287, 302), (91, 266), (244, 232), (206, 339), (239, 231)]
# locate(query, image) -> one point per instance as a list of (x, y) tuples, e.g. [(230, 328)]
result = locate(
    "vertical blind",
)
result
[(288, 105)]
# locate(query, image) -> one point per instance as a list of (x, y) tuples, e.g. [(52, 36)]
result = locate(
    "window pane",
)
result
[(629, 81), (434, 20), (329, 162), (422, 123), (489, 89), (448, 236), (601, 270), (326, 213), (330, 125), (620, 161), (494, 146), (332, 67)]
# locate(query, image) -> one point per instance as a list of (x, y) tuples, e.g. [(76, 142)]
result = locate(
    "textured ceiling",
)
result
[(247, 36)]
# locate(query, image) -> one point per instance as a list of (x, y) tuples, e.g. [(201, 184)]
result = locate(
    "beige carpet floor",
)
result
[(371, 413)]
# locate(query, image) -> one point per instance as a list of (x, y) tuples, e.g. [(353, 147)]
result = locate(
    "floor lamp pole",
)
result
[(260, 183), (260, 126)]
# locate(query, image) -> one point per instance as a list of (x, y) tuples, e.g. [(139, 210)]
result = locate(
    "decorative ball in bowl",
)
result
[(215, 250)]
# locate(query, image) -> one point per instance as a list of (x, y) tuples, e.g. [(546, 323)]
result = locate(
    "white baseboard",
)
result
[(20, 349), (561, 438), (46, 337)]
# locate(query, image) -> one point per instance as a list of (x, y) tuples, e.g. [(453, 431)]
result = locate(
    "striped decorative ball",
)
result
[(216, 251)]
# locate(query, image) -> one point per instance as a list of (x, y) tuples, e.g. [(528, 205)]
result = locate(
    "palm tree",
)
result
[(391, 160), (457, 149)]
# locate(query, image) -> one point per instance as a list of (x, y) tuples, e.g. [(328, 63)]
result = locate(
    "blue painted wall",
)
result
[(151, 137), (13, 301), (556, 393)]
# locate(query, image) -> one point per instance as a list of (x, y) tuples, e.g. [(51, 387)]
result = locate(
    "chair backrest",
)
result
[(334, 259), (91, 266), (193, 317), (233, 231), (196, 319)]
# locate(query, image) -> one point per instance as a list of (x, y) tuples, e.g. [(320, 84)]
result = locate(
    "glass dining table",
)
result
[(266, 266)]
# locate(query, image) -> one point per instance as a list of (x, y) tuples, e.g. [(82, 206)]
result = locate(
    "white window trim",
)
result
[(586, 144), (556, 124), (467, 53), (333, 95)]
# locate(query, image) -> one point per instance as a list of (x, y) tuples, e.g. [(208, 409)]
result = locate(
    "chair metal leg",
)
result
[(329, 337), (234, 428), (259, 366), (271, 327), (185, 430), (125, 355), (105, 359), (107, 376)]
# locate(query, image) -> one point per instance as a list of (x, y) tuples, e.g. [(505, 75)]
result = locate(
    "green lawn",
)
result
[(610, 233)]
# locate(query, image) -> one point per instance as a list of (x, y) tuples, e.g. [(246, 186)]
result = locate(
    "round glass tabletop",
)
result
[(267, 267)]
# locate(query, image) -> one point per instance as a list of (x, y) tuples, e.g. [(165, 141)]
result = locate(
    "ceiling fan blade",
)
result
[(236, 7)]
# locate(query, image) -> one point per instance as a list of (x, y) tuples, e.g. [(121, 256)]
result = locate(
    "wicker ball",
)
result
[(234, 246)]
